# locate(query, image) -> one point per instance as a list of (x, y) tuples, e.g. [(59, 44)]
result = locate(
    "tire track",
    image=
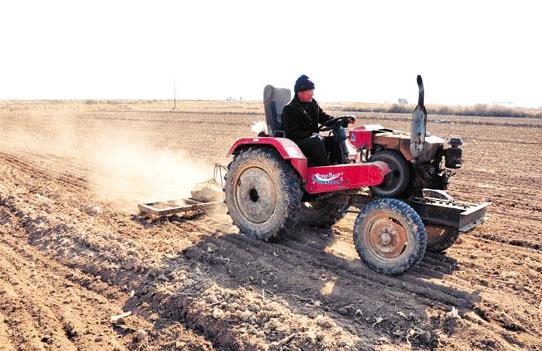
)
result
[(317, 274), (451, 295), (104, 255), (349, 290)]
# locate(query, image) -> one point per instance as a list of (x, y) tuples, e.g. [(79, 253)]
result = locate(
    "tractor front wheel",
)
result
[(440, 238), (389, 236), (263, 193)]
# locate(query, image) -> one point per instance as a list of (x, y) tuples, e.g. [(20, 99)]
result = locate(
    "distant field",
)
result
[(256, 107)]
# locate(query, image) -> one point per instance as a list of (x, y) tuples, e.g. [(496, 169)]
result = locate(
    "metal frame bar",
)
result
[(164, 208)]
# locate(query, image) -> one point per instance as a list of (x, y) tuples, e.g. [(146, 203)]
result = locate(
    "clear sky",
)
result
[(467, 51)]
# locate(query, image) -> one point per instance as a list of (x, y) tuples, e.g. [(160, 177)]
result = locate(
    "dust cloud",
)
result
[(127, 172), (121, 166)]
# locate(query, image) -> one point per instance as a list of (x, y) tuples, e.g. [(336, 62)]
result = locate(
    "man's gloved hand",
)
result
[(316, 136)]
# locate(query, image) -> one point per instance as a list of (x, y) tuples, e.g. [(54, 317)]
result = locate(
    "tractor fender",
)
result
[(286, 148)]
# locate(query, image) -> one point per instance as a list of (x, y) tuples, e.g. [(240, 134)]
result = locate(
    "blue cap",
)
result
[(303, 83)]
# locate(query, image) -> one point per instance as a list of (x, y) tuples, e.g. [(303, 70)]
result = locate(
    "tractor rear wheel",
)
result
[(389, 236), (396, 182), (325, 213), (263, 193), (440, 238)]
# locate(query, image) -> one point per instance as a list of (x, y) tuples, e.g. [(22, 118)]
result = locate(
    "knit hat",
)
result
[(303, 83)]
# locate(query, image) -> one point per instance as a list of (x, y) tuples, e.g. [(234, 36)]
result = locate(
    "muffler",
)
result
[(418, 125)]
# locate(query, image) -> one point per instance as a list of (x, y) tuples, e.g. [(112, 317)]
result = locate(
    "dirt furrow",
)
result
[(70, 259), (98, 254)]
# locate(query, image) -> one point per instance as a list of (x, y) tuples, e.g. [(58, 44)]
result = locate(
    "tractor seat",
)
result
[(274, 100)]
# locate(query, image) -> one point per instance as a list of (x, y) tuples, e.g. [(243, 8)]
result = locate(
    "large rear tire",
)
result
[(389, 236), (325, 213), (396, 182), (263, 193), (440, 239)]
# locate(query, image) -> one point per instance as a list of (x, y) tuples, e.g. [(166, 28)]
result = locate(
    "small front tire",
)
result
[(440, 239), (389, 236)]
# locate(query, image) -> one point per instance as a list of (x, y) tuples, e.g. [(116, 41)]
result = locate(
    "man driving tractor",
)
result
[(301, 119)]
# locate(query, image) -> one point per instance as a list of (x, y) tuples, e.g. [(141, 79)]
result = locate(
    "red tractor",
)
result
[(397, 179)]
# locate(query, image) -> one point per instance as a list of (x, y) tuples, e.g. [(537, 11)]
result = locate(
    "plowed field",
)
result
[(81, 270)]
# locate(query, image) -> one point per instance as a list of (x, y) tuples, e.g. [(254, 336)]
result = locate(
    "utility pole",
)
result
[(174, 95)]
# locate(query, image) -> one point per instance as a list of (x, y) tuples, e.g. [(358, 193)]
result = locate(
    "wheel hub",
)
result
[(391, 179), (386, 236), (255, 195)]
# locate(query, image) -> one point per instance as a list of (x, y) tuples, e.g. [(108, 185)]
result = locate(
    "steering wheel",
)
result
[(332, 123)]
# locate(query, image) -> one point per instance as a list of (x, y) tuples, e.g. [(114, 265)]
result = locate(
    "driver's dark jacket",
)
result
[(300, 119)]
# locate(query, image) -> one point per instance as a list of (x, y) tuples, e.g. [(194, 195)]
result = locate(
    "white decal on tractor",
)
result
[(329, 178)]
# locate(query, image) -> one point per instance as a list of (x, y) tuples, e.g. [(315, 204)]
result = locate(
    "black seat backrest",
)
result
[(274, 100)]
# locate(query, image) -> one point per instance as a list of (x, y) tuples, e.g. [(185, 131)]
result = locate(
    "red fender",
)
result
[(287, 149), (362, 137), (324, 178)]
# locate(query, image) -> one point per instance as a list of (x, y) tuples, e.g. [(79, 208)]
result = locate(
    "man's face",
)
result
[(305, 96)]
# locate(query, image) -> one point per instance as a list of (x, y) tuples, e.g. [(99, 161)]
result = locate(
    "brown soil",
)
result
[(71, 258)]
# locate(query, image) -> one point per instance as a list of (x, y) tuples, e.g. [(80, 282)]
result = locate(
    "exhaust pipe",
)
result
[(419, 124)]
